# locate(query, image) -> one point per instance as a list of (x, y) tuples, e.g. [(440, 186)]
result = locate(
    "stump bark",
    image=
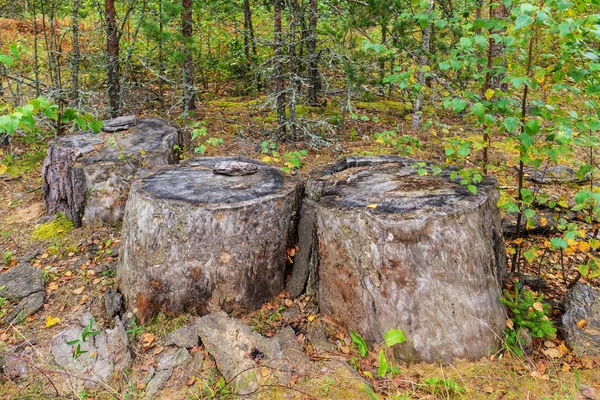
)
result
[(87, 176), (198, 241), (418, 253)]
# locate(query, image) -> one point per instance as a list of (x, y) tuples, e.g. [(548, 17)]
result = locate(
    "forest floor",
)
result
[(78, 266)]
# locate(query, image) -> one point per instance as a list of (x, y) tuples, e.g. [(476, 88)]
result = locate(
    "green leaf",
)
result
[(511, 124), (383, 364), (526, 139), (96, 125), (472, 189), (6, 60), (478, 109), (394, 336), (559, 243), (522, 21), (360, 343)]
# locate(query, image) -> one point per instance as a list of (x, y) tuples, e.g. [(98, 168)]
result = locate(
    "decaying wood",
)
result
[(87, 176), (195, 241), (418, 253)]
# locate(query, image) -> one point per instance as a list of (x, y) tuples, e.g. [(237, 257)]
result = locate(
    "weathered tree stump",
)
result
[(87, 176), (402, 251), (195, 240)]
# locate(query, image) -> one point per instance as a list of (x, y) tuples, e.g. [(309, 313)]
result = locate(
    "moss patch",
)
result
[(55, 229)]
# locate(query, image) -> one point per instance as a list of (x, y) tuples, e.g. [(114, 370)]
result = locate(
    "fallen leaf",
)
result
[(581, 323), (288, 303), (372, 206), (147, 340), (563, 349), (566, 367), (140, 386), (52, 286), (488, 389), (190, 381), (68, 273), (158, 350), (537, 306), (79, 290), (51, 321), (345, 349), (552, 353), (96, 281), (310, 318)]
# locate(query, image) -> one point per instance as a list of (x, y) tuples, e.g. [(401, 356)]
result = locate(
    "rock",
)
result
[(172, 358), (315, 333), (235, 168), (23, 283), (186, 336), (582, 303), (28, 257), (100, 354), (15, 360), (157, 381), (113, 303), (118, 345), (28, 306), (291, 315), (244, 358), (525, 340), (535, 283), (557, 174), (293, 351), (119, 123)]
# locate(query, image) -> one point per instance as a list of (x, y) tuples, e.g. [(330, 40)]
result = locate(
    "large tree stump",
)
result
[(416, 253), (201, 237), (87, 176)]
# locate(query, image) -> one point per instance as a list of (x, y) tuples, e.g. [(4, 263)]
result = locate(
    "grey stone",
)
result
[(293, 351), (113, 303), (582, 303), (556, 174), (105, 353), (241, 354), (172, 358), (21, 281), (28, 257), (119, 123), (157, 381), (186, 336), (316, 335), (235, 168), (15, 359), (28, 306)]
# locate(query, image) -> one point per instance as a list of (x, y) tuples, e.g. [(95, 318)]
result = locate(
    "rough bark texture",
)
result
[(417, 253), (112, 49), (196, 241), (582, 303), (87, 176)]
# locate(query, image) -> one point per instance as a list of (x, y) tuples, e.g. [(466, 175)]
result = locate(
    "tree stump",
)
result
[(418, 253), (87, 176), (197, 240)]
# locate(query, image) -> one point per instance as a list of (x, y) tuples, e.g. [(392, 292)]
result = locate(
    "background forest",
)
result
[(507, 88)]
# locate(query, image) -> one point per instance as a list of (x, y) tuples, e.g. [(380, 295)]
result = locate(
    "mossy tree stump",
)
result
[(397, 250), (87, 176), (207, 235)]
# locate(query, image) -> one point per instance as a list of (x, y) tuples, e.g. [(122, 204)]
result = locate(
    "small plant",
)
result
[(88, 330), (269, 147), (134, 330), (7, 257), (360, 343), (328, 384), (391, 337), (293, 159), (276, 315), (528, 311), (448, 386), (404, 145)]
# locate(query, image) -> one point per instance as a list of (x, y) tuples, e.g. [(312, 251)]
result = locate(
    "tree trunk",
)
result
[(279, 83), (249, 42), (75, 53), (418, 253), (112, 49), (313, 58), (198, 241), (293, 71), (161, 62), (382, 60), (189, 95), (87, 176), (423, 61)]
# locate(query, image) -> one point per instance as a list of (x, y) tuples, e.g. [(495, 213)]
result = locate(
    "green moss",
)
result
[(388, 106), (55, 229)]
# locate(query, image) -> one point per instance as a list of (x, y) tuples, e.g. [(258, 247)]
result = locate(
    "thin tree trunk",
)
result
[(249, 42), (189, 97), (382, 60), (112, 48), (161, 64), (423, 61), (292, 66), (75, 54), (279, 84), (313, 58), (36, 58)]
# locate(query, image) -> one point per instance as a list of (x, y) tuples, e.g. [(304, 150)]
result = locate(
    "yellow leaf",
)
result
[(581, 323), (489, 93), (372, 206), (572, 243), (142, 152), (538, 306), (510, 324), (3, 168), (266, 159), (51, 321), (584, 247), (543, 221), (310, 318), (566, 367), (518, 241)]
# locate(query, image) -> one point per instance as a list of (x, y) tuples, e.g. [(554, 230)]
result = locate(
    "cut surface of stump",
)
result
[(196, 241), (87, 176), (402, 251)]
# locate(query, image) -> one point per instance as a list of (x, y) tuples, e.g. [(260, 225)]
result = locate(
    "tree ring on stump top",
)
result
[(235, 168), (196, 183), (391, 185)]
